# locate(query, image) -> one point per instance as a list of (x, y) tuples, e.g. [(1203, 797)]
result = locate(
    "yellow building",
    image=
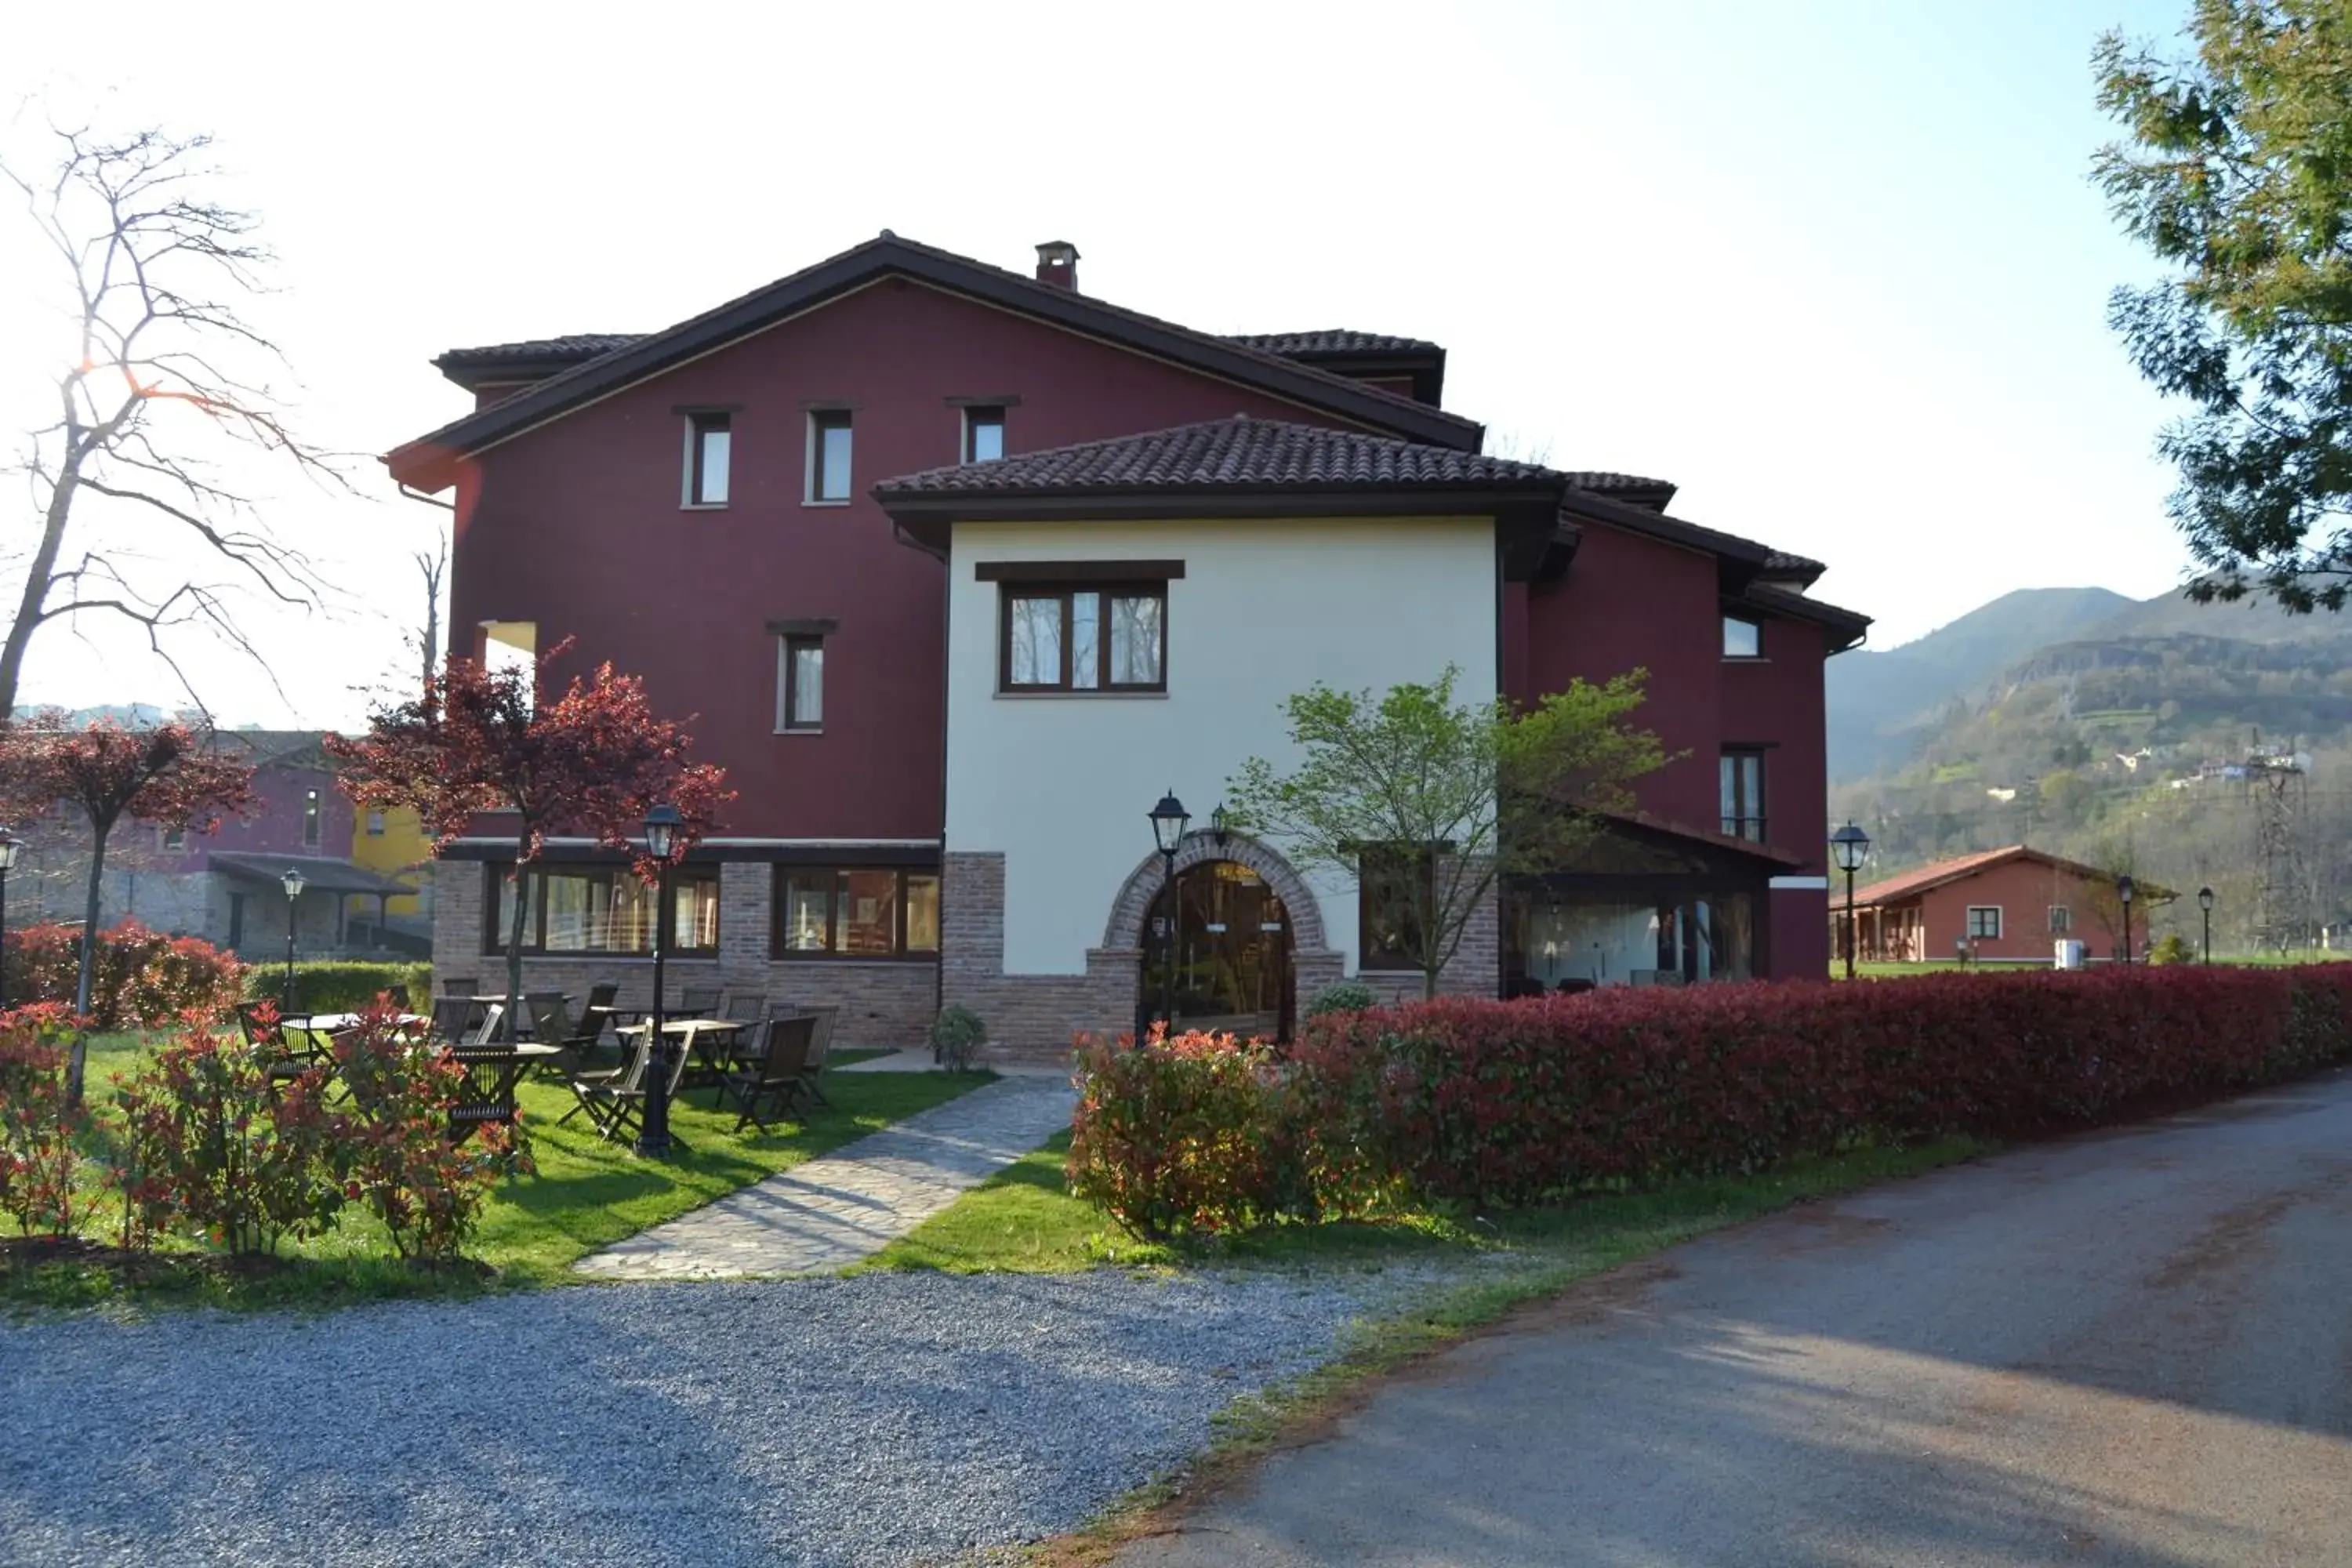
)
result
[(393, 843)]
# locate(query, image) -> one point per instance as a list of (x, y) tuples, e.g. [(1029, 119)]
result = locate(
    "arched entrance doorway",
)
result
[(1220, 958)]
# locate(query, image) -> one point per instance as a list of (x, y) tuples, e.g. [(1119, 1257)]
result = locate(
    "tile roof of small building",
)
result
[(1925, 878), (1239, 453), (1330, 341)]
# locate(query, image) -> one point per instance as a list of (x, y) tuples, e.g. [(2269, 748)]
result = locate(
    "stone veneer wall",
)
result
[(882, 1004), (1039, 1013), (1034, 1013)]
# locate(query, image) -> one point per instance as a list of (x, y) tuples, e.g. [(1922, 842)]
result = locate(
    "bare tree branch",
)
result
[(166, 368)]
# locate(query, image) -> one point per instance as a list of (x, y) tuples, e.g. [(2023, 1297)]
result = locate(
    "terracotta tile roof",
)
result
[(572, 346), (1912, 883), (1330, 341), (1240, 453)]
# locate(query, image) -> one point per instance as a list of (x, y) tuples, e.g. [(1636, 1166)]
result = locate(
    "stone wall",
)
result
[(1027, 1014), (887, 1004)]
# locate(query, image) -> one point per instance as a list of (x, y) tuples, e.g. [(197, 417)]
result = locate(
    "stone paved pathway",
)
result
[(853, 1202)]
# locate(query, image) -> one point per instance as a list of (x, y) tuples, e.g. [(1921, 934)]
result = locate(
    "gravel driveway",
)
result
[(881, 1419)]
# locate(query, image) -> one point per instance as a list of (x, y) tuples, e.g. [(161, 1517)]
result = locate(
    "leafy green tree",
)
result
[(1442, 798), (2237, 172)]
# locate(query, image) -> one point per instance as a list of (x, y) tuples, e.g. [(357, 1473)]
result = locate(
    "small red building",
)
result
[(2015, 902)]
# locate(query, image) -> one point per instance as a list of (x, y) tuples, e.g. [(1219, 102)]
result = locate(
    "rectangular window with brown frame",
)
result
[(601, 910), (1741, 771), (829, 453), (709, 451), (800, 683), (311, 817), (983, 434), (1105, 637), (1394, 886), (837, 912)]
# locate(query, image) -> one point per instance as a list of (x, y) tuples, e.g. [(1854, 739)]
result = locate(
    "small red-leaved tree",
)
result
[(474, 744), (167, 774)]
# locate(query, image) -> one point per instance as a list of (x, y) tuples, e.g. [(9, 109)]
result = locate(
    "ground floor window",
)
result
[(1573, 944), (840, 912), (601, 910), (1394, 884), (1984, 922)]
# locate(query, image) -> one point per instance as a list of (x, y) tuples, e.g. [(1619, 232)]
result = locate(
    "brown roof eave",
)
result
[(1527, 513), (1848, 627)]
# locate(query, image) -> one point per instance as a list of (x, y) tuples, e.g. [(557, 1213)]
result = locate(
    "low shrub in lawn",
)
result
[(141, 979), (217, 1144), (390, 1146), (1522, 1101), (1188, 1132), (340, 986), (39, 1126), (213, 1143)]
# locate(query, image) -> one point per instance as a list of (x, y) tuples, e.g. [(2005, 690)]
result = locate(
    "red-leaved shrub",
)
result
[(1522, 1101), (142, 979), (390, 1144), (37, 1124), (1177, 1134), (1516, 1101), (213, 1143)]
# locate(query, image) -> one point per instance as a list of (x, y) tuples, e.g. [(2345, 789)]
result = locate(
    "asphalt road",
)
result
[(2134, 1347)]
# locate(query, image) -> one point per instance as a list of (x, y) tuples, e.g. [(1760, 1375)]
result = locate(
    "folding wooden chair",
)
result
[(624, 1104), (778, 1078), (698, 1002), (550, 1015), (820, 1048), (598, 1089)]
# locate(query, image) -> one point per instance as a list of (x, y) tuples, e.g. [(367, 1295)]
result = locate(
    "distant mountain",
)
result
[(2249, 620), (1882, 703)]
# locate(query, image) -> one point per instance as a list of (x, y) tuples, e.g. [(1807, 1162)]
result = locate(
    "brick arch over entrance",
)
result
[(1141, 889)]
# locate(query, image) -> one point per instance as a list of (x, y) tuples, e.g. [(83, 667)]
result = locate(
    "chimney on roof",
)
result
[(1057, 264)]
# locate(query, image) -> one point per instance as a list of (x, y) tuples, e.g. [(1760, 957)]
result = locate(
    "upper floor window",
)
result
[(1109, 638), (376, 825), (709, 444), (175, 837), (983, 435), (800, 682), (2062, 920), (829, 455), (310, 816), (1742, 779), (1742, 638)]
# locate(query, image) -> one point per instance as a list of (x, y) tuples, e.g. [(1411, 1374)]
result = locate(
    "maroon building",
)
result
[(698, 506)]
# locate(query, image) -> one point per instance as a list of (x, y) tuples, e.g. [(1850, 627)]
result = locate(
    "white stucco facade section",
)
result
[(1061, 785)]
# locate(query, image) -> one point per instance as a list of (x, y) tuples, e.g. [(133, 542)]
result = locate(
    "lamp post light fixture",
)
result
[(1168, 820), (2124, 891), (1221, 825), (10, 845), (1849, 846), (662, 823), (292, 882), (2205, 904)]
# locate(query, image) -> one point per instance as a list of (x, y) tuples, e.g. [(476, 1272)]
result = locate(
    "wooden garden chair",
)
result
[(778, 1079), (820, 1048), (698, 1002), (625, 1103)]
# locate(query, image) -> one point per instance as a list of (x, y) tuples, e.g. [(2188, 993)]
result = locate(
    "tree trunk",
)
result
[(37, 575), (80, 1050), (514, 949)]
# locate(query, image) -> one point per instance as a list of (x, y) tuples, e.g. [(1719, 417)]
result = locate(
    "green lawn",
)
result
[(1024, 1220), (586, 1192)]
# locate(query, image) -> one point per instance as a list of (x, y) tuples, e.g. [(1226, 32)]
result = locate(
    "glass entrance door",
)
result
[(1229, 954)]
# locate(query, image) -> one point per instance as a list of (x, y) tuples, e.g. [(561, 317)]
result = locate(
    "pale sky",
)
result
[(1835, 269)]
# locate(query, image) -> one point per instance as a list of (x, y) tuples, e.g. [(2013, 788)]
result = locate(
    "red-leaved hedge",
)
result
[(142, 979), (1520, 1101)]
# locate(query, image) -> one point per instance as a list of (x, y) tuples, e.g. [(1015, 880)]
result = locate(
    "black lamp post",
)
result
[(661, 836), (2124, 891), (1168, 820), (292, 883), (1848, 846), (10, 846), (2205, 903)]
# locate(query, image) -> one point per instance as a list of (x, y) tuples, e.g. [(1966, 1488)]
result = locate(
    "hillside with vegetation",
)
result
[(2125, 741)]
